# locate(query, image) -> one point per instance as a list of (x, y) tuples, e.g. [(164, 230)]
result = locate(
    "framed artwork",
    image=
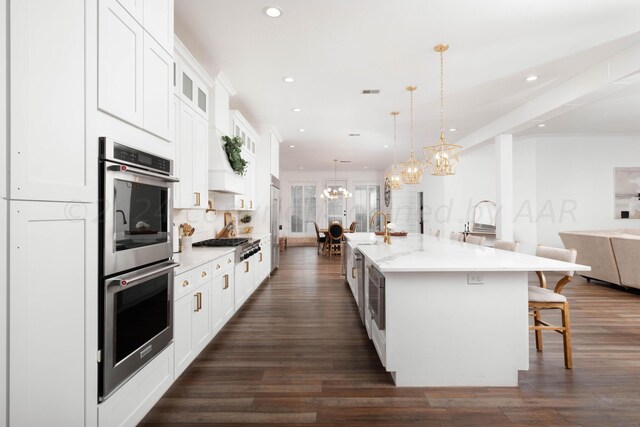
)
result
[(627, 193)]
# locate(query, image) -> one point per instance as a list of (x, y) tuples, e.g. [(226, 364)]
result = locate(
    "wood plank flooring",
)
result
[(297, 354)]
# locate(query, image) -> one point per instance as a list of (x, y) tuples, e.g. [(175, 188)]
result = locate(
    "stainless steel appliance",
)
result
[(244, 247), (275, 222), (376, 297), (136, 202), (358, 264), (135, 269), (138, 322)]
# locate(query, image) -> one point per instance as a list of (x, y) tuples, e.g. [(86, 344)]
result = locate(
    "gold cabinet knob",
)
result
[(203, 274), (217, 266), (185, 283)]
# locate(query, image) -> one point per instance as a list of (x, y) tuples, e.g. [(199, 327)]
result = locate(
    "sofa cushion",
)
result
[(594, 249), (627, 251)]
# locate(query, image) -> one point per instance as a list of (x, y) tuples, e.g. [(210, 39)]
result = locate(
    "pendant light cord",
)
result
[(442, 97), (411, 123)]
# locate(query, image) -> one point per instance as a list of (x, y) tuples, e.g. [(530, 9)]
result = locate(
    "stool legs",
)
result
[(566, 336)]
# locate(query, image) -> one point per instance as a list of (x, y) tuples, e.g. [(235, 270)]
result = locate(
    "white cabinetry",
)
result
[(244, 281), (222, 307), (120, 70), (192, 81), (158, 21), (274, 142), (52, 334), (157, 89), (136, 66), (191, 157), (52, 100), (264, 260), (192, 316)]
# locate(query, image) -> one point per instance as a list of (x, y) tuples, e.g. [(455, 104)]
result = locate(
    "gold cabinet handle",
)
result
[(203, 274), (246, 266), (229, 261), (260, 256), (353, 272), (197, 198), (226, 281), (185, 283), (197, 304), (217, 266), (250, 204), (241, 203)]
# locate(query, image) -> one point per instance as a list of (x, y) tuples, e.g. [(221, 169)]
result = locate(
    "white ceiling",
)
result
[(336, 48)]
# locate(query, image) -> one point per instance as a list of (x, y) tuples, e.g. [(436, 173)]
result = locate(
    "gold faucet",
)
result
[(387, 237)]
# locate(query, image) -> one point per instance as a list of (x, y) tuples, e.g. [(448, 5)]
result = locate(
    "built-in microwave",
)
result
[(377, 297), (136, 198)]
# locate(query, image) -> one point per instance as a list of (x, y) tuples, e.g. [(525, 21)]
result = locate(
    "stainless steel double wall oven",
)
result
[(136, 267)]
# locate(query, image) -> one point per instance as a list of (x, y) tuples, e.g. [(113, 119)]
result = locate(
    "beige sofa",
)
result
[(614, 255)]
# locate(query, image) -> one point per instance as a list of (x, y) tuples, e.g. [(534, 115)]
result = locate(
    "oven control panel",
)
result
[(114, 151)]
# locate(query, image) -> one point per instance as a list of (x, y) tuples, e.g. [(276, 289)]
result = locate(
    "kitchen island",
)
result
[(455, 314)]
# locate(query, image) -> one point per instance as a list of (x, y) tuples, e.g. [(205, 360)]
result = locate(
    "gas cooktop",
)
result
[(223, 242)]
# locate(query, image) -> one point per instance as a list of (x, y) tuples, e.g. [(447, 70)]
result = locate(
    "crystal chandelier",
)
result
[(411, 170), (442, 158), (335, 191), (393, 177)]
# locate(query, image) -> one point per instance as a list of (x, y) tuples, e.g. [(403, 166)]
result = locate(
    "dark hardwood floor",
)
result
[(296, 353)]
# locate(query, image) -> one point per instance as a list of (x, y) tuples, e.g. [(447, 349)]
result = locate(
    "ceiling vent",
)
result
[(371, 91), (345, 161), (354, 134)]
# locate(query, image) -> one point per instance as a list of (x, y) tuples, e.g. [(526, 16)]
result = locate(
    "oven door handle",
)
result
[(123, 168), (129, 281)]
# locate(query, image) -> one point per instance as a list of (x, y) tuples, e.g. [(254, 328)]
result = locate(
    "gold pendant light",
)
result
[(393, 177), (336, 191), (411, 170), (442, 158)]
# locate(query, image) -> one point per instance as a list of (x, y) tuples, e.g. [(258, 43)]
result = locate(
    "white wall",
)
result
[(525, 195), (318, 178), (575, 183)]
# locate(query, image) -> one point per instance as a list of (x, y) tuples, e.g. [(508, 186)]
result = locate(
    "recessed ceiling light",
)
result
[(541, 125), (272, 11), (386, 146), (453, 130), (302, 130), (288, 79), (532, 78), (301, 167), (366, 167), (296, 110), (291, 146)]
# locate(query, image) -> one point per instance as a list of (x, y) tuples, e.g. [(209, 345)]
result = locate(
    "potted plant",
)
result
[(233, 147), (246, 219)]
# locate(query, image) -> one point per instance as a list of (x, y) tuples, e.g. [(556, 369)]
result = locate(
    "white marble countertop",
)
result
[(198, 256), (430, 254), (255, 235)]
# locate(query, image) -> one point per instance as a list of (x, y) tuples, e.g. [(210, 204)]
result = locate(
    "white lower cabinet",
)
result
[(191, 318), (264, 260), (222, 307), (53, 319), (244, 281)]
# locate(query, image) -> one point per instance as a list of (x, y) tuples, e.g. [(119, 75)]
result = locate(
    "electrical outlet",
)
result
[(475, 278)]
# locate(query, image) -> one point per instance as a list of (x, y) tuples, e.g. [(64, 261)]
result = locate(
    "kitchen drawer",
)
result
[(202, 273), (221, 264), (184, 284)]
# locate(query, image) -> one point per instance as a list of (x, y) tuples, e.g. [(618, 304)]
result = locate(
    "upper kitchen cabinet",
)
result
[(52, 119), (274, 141), (135, 68), (191, 131), (135, 8), (158, 21), (192, 82)]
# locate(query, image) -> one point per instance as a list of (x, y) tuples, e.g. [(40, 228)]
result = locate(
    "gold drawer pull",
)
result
[(197, 198), (217, 266), (203, 274), (251, 204), (353, 272), (185, 283), (197, 308), (229, 261), (246, 266), (261, 257), (226, 281)]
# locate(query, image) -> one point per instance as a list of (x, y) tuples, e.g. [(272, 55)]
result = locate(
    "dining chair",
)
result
[(336, 234), (506, 245), (320, 240), (433, 233), (476, 240), (456, 236), (542, 298)]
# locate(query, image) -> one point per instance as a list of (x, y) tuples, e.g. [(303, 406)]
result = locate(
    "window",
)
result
[(367, 201), (336, 208), (303, 208)]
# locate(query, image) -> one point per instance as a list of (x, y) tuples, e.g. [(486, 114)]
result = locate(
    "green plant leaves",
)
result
[(233, 147)]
